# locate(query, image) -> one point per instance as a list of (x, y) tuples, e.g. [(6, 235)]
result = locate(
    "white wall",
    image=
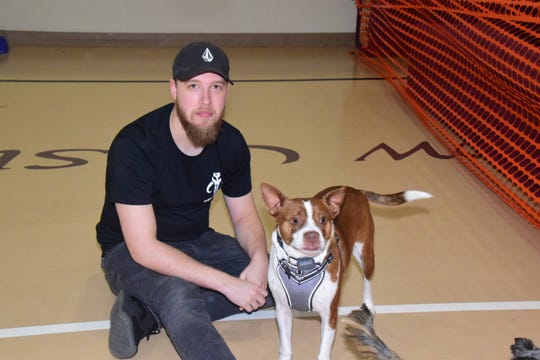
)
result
[(179, 16)]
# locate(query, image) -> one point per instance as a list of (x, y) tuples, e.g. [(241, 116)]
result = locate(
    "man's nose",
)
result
[(206, 97)]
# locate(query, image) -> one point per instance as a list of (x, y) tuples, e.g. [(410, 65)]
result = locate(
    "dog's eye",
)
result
[(323, 220), (295, 220)]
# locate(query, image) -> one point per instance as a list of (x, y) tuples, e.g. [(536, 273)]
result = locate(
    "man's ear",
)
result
[(173, 89)]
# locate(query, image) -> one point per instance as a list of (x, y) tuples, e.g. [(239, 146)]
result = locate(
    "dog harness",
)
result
[(301, 278)]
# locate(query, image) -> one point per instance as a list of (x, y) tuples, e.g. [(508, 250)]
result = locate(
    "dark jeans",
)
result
[(185, 310)]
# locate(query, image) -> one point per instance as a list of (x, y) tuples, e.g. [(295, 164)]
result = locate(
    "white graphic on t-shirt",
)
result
[(214, 185)]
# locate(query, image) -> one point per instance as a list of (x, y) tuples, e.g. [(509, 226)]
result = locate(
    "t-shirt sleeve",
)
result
[(237, 172), (129, 173)]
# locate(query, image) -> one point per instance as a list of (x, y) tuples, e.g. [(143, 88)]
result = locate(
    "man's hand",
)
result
[(246, 294), (257, 271)]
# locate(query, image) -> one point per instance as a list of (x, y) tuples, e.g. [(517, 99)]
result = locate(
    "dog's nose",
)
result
[(311, 238)]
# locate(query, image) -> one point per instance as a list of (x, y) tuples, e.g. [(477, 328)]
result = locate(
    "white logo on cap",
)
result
[(207, 56)]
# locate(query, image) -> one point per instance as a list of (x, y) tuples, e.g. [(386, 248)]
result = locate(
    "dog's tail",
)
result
[(397, 198), (360, 332), (524, 349)]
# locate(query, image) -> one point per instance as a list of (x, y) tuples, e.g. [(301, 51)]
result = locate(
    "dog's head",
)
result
[(305, 225)]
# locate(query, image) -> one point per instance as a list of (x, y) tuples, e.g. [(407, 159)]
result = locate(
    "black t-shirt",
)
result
[(144, 166)]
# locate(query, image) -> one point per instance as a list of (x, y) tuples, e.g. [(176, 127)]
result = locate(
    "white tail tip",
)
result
[(411, 195)]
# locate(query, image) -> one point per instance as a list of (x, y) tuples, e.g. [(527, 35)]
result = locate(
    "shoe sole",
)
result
[(122, 343)]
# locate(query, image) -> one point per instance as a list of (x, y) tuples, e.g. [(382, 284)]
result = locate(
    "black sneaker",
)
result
[(131, 321)]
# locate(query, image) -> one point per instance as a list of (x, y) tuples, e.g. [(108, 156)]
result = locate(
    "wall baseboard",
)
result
[(50, 38)]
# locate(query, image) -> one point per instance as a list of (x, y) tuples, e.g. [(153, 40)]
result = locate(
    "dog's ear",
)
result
[(334, 199), (273, 198)]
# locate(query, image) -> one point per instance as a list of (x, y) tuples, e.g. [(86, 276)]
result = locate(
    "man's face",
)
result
[(200, 105)]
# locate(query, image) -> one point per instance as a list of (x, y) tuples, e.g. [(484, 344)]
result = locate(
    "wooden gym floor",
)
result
[(457, 276)]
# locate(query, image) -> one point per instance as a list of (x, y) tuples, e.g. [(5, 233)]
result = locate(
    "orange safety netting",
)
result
[(471, 72)]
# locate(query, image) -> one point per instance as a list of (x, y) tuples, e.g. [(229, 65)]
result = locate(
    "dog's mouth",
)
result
[(309, 251), (308, 244), (312, 247)]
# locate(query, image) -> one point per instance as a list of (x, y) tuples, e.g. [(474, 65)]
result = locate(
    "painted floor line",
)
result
[(269, 314)]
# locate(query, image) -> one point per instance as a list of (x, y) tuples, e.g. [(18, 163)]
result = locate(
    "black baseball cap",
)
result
[(200, 57)]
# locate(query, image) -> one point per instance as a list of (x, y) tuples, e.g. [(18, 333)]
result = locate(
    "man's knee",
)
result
[(176, 297)]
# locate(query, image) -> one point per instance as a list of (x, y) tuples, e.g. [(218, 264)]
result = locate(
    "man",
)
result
[(167, 266)]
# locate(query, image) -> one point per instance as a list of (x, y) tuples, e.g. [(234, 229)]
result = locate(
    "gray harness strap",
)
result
[(300, 281)]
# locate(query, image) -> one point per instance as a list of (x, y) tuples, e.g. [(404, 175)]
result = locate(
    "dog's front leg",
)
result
[(328, 333), (284, 321)]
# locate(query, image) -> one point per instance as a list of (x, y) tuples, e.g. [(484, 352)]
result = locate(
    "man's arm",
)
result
[(140, 233), (249, 232)]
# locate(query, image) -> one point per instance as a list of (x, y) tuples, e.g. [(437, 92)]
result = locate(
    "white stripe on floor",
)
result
[(270, 314)]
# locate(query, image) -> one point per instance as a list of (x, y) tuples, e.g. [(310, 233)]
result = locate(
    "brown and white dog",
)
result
[(312, 245)]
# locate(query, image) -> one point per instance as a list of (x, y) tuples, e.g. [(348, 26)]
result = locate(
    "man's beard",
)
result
[(199, 137)]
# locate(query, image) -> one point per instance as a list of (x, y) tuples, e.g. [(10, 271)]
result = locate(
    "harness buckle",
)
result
[(305, 264)]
